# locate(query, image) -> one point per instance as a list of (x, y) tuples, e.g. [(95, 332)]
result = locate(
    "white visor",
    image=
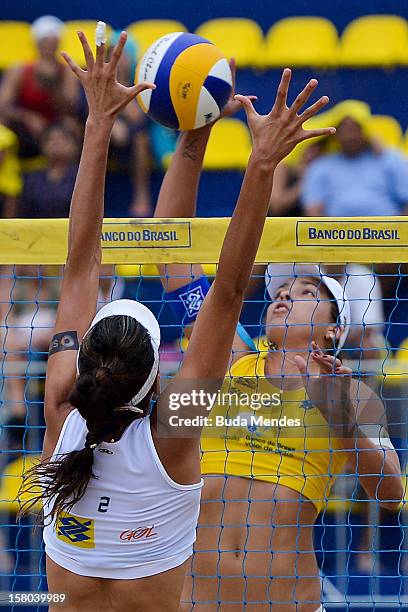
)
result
[(145, 317), (277, 274)]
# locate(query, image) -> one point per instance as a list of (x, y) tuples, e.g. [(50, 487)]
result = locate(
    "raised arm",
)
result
[(358, 419), (105, 97), (273, 137), (177, 199)]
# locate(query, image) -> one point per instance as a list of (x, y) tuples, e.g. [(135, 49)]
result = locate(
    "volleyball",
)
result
[(192, 77)]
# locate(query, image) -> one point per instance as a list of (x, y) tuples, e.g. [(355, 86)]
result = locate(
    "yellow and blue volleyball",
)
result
[(192, 77)]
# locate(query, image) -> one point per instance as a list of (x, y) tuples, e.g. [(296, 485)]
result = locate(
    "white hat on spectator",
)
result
[(48, 25)]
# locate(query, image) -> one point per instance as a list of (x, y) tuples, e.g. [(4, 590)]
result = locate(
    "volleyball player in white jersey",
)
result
[(121, 502)]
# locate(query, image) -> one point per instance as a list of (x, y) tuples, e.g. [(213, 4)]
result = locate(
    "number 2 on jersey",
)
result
[(103, 504)]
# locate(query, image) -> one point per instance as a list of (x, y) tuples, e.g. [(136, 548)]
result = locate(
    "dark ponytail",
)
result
[(115, 359)]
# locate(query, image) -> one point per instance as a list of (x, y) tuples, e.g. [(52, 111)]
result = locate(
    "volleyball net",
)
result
[(361, 548)]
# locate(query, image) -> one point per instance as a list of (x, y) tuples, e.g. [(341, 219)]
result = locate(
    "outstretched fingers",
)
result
[(325, 362), (328, 363), (310, 112), (117, 51), (89, 58), (307, 134), (135, 90), (314, 108), (100, 55), (73, 65), (131, 93), (303, 97), (282, 93), (316, 348), (246, 102)]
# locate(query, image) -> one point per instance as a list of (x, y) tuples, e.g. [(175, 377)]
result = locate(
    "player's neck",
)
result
[(281, 362)]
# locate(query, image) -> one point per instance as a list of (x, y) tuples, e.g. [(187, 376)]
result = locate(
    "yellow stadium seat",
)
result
[(210, 270), (70, 42), (143, 270), (239, 38), (301, 41), (10, 171), (386, 129), (11, 480), (17, 45), (402, 352), (374, 40), (145, 32), (150, 271), (229, 146)]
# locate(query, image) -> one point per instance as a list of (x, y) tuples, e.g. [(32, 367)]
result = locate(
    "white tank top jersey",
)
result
[(133, 520)]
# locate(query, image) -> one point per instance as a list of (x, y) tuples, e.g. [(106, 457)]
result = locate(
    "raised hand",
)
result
[(330, 389), (105, 96), (328, 364), (275, 135)]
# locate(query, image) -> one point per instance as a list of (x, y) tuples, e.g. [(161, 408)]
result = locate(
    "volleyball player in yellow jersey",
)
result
[(264, 486)]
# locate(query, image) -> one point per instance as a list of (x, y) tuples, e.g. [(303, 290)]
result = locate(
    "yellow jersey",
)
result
[(287, 442)]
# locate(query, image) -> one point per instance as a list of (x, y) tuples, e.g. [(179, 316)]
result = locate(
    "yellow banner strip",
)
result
[(143, 241)]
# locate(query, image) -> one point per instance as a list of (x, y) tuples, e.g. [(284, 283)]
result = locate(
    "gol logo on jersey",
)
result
[(141, 533), (76, 530)]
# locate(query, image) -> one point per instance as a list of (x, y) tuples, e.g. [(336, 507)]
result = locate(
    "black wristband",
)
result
[(64, 341)]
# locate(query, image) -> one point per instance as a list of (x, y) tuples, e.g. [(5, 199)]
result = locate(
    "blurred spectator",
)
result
[(14, 439), (128, 177), (287, 183), (10, 187), (31, 297), (47, 193), (28, 293), (34, 95), (11, 449), (362, 179), (10, 178)]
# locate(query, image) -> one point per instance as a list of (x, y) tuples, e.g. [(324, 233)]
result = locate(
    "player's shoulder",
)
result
[(248, 365)]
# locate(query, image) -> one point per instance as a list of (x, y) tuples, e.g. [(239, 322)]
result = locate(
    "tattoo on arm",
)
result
[(190, 150), (64, 341)]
